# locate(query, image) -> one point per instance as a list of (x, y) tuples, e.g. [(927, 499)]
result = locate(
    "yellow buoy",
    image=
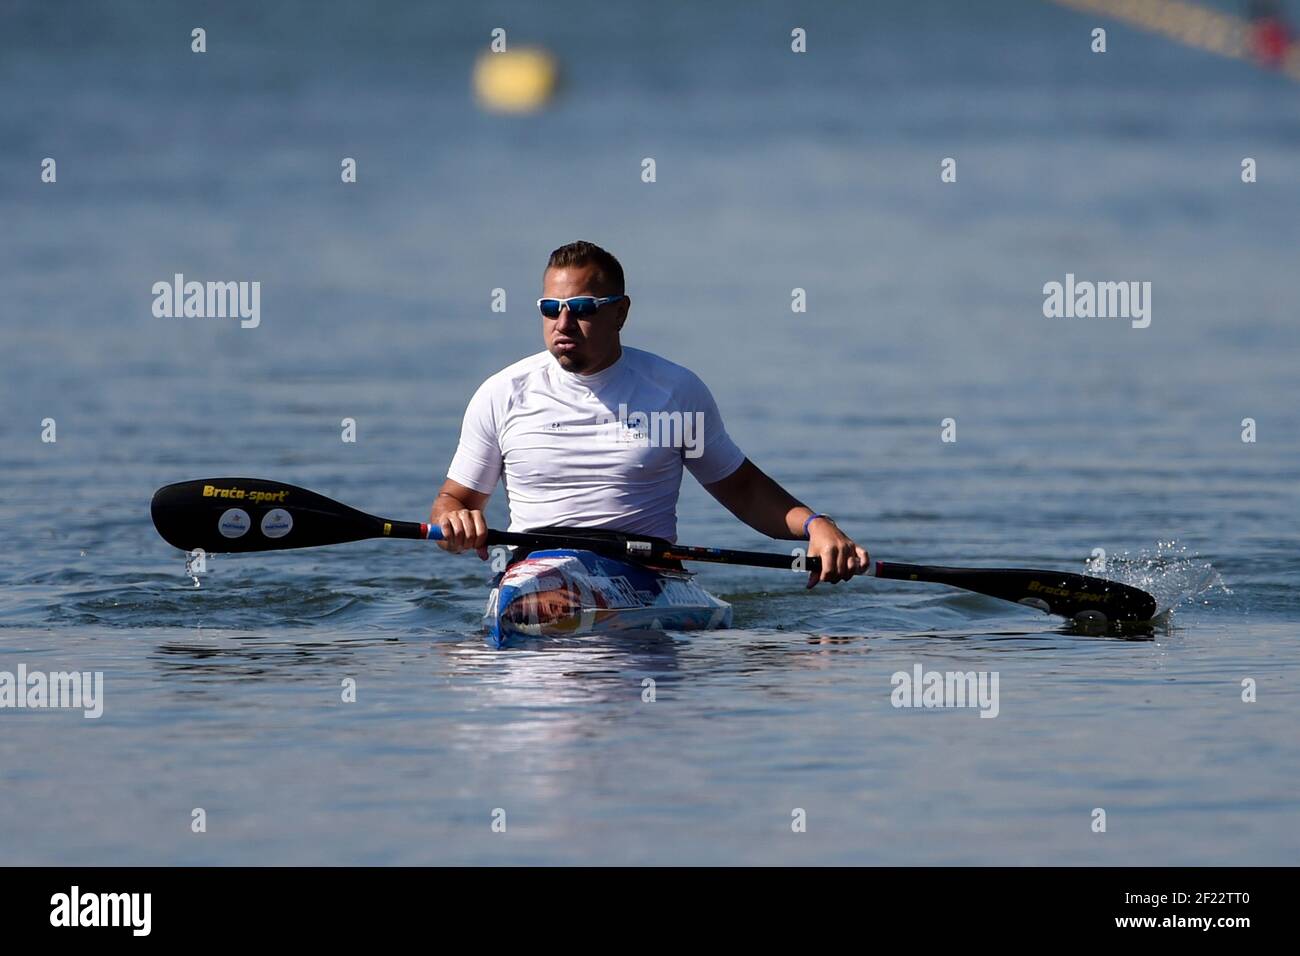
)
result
[(515, 81)]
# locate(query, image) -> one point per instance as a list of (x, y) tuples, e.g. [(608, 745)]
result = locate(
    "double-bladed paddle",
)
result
[(233, 515)]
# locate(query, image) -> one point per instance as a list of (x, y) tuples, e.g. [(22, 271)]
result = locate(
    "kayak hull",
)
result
[(570, 593)]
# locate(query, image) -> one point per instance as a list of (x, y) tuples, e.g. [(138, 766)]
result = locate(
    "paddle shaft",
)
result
[(642, 550)]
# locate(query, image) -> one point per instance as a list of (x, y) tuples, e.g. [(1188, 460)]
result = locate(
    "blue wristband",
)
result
[(813, 518)]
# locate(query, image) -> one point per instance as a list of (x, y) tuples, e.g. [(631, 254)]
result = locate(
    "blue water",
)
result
[(775, 171)]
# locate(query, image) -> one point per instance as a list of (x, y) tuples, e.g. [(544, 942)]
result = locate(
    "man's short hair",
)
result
[(608, 271)]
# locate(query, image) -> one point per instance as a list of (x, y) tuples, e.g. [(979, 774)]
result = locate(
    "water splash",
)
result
[(1171, 573)]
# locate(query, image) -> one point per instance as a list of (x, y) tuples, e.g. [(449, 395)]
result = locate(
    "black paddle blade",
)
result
[(251, 514), (1057, 592)]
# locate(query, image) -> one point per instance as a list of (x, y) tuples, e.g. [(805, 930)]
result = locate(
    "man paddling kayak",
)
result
[(573, 434)]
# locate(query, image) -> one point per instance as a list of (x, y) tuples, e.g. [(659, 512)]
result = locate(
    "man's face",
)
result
[(588, 344)]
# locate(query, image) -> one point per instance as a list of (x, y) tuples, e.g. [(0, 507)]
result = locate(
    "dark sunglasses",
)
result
[(579, 306)]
